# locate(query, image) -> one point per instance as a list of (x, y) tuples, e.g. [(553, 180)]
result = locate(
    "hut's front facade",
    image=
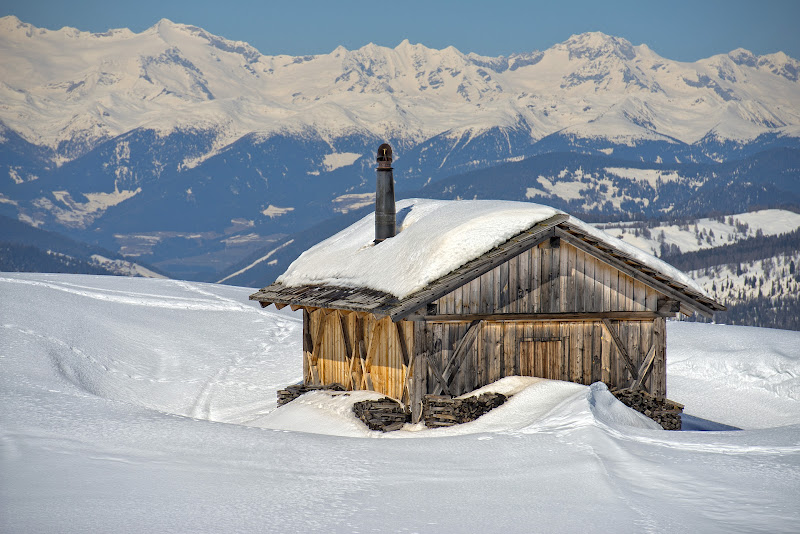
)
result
[(429, 314)]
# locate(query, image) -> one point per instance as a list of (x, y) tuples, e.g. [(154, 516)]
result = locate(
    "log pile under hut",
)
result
[(384, 414), (442, 411), (663, 411), (290, 393)]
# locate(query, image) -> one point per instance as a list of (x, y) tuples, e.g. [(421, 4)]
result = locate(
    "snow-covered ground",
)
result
[(131, 405)]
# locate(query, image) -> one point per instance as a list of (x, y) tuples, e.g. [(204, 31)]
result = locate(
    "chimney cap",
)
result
[(384, 156)]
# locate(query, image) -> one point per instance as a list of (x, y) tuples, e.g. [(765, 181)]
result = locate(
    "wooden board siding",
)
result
[(581, 352), (358, 351), (549, 279)]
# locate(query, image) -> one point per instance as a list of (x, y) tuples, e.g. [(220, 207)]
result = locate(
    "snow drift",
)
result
[(131, 404)]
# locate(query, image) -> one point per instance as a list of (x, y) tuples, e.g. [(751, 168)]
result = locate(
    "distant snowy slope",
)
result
[(704, 233), (130, 405)]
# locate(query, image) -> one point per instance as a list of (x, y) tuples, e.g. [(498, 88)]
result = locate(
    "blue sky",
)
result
[(682, 30)]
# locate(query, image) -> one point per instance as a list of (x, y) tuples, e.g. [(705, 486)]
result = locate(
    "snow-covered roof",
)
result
[(434, 238), (441, 245)]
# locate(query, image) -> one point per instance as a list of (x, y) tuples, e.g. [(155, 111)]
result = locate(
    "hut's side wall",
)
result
[(358, 351), (547, 279), (576, 351)]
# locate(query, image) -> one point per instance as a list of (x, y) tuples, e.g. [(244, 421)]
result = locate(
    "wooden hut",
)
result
[(555, 299)]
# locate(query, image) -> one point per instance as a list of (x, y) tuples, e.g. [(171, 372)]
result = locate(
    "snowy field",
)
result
[(133, 405)]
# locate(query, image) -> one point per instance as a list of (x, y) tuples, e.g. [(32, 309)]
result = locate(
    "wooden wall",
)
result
[(576, 351), (357, 350), (546, 279)]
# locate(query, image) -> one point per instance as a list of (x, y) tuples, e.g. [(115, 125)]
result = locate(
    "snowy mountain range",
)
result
[(192, 151)]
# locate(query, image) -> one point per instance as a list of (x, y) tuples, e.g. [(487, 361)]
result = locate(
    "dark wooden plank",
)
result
[(524, 275), (597, 351), (403, 348), (514, 292), (555, 276), (589, 347), (487, 292), (547, 282), (345, 335), (505, 285), (567, 279), (589, 265), (660, 340)]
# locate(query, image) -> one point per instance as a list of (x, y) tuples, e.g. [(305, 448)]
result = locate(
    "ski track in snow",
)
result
[(131, 404)]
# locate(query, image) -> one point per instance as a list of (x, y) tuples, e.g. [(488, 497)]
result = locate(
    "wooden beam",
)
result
[(645, 367), (669, 306), (402, 339), (345, 336), (563, 316), (318, 336), (620, 348), (406, 396), (464, 344), (673, 290), (437, 374), (280, 305)]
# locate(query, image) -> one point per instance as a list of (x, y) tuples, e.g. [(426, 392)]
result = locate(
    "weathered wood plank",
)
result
[(402, 344), (547, 282), (504, 295), (606, 357), (660, 340), (460, 353), (437, 374), (589, 267), (535, 270), (524, 276), (509, 348), (666, 289), (576, 353), (634, 350), (644, 369), (555, 275), (566, 280), (620, 347), (487, 292)]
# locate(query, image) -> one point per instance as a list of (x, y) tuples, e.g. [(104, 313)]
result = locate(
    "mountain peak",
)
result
[(591, 45)]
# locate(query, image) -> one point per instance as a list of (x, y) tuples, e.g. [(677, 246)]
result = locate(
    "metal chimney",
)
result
[(385, 213)]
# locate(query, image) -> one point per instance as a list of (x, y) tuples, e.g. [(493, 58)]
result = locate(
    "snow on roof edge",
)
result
[(434, 238)]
